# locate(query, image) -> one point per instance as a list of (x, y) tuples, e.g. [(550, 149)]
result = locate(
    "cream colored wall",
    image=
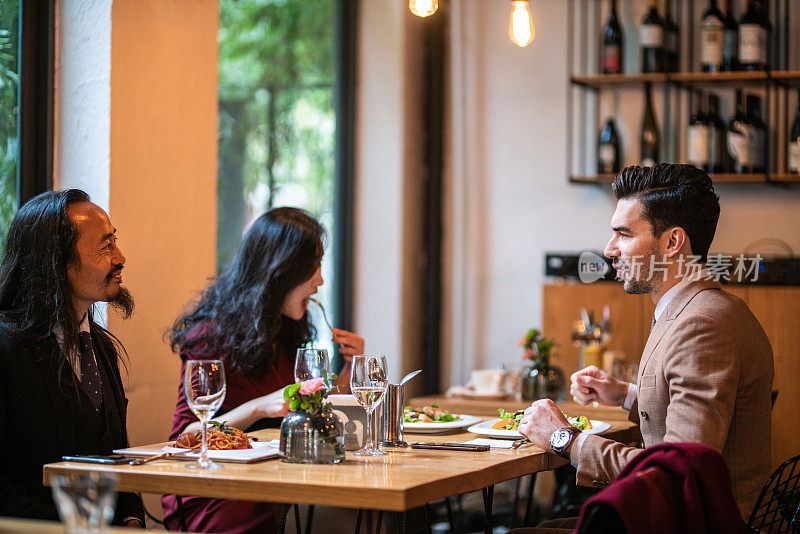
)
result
[(163, 184)]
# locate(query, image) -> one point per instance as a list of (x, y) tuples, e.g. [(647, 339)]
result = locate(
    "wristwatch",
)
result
[(561, 439)]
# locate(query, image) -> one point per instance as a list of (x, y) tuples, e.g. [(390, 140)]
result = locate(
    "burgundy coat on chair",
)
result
[(673, 488)]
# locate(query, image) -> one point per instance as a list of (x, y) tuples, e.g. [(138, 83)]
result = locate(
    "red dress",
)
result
[(219, 515)]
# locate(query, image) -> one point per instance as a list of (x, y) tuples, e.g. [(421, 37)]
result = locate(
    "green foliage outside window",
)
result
[(277, 121), (9, 85)]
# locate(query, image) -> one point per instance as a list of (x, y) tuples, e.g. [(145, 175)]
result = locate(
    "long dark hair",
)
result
[(35, 294), (239, 314)]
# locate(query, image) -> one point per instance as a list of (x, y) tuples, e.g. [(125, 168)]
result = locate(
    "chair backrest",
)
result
[(777, 509)]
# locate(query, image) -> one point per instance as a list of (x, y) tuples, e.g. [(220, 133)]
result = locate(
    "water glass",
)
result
[(368, 383), (311, 363), (85, 502), (204, 386)]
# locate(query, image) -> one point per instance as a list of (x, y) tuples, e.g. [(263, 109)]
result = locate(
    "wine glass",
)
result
[(311, 363), (368, 383), (204, 386)]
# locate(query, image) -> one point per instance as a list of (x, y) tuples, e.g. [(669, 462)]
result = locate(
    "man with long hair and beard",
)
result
[(61, 391)]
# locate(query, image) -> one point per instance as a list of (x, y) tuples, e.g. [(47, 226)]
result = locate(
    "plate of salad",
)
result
[(432, 419), (507, 424)]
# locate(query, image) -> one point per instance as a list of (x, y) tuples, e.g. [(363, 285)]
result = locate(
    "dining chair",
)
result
[(777, 509)]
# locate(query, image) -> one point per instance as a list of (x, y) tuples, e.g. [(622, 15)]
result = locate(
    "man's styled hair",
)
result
[(674, 195), (35, 294)]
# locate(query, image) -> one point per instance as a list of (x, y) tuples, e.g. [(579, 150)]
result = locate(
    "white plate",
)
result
[(485, 429), (260, 451), (432, 428)]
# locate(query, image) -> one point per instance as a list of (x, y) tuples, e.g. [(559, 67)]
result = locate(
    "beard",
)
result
[(123, 303)]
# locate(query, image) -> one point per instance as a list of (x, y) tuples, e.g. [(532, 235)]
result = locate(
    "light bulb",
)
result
[(423, 8), (520, 27)]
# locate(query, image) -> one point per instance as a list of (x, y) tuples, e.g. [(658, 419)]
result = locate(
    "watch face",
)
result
[(560, 438)]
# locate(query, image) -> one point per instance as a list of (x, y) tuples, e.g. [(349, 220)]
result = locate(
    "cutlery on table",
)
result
[(162, 456), (519, 443)]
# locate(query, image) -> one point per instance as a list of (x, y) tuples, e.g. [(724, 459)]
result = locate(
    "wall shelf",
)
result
[(688, 79), (716, 178)]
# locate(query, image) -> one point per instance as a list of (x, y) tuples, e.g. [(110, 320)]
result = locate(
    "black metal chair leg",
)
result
[(284, 512), (450, 518), (428, 517), (531, 485), (309, 518), (358, 520), (378, 526), (181, 514), (488, 497), (515, 509), (297, 518), (400, 521)]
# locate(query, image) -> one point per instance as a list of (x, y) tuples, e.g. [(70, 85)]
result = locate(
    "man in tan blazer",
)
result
[(706, 372)]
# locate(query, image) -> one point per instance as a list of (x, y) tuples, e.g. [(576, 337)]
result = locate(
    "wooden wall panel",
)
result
[(562, 303), (778, 310)]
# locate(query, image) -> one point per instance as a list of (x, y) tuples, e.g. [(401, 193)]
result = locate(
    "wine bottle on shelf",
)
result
[(650, 136), (739, 136), (730, 39), (609, 149), (651, 40), (698, 135), (672, 44), (711, 38), (717, 153), (611, 55), (794, 142), (759, 133), (754, 37)]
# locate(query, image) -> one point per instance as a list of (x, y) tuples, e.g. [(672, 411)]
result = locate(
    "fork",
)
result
[(324, 315), (162, 456), (519, 443)]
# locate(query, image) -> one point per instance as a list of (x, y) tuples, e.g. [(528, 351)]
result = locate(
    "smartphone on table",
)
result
[(112, 459)]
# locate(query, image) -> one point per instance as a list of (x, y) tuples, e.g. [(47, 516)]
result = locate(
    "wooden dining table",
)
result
[(401, 480)]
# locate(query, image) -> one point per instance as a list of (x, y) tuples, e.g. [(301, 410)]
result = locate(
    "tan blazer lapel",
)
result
[(685, 294)]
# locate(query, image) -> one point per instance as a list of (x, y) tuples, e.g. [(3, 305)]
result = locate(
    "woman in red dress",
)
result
[(253, 316)]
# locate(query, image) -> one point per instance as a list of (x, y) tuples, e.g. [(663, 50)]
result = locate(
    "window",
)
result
[(9, 129), (279, 122)]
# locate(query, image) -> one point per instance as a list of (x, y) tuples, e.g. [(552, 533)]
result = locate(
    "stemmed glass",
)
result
[(204, 386), (311, 363), (368, 382)]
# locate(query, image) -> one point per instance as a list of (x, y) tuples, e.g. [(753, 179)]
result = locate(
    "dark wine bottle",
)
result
[(611, 59), (609, 149), (672, 43), (650, 135), (717, 153), (730, 40), (754, 31), (759, 129), (711, 38), (651, 40), (698, 135), (739, 135), (794, 141)]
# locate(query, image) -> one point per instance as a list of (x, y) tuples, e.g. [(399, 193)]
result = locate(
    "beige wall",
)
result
[(163, 184)]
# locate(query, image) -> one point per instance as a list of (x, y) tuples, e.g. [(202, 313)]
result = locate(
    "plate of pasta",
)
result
[(225, 444)]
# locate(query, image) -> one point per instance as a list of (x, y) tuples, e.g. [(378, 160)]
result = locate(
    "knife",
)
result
[(162, 456)]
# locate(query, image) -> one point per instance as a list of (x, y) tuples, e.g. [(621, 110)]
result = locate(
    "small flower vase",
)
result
[(312, 438), (540, 380)]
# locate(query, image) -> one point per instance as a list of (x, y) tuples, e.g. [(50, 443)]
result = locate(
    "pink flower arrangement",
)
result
[(312, 386), (309, 395)]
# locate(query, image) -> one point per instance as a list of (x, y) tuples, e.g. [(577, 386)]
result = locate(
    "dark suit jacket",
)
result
[(38, 421)]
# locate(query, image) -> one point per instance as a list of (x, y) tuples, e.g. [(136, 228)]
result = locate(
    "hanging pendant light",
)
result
[(520, 28), (423, 8)]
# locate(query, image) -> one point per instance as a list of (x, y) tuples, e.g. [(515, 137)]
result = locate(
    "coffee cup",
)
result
[(488, 381)]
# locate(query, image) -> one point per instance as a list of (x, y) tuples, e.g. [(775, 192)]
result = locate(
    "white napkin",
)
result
[(493, 443)]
